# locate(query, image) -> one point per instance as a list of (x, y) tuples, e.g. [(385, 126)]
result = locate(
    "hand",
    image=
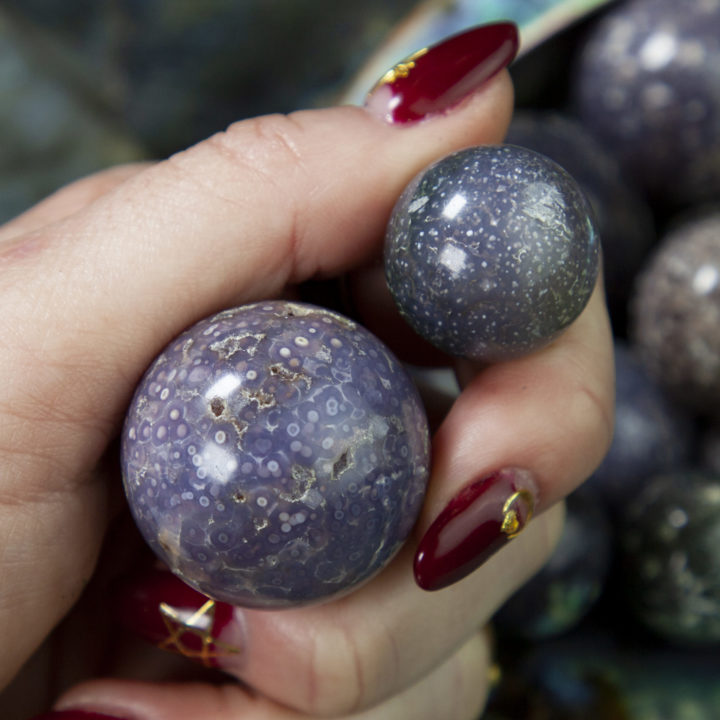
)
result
[(98, 278)]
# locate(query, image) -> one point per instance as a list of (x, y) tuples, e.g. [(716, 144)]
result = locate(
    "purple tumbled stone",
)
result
[(491, 252), (275, 455)]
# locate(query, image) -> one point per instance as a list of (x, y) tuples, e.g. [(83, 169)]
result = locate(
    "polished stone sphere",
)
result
[(275, 455), (675, 312), (671, 556), (491, 252), (647, 84)]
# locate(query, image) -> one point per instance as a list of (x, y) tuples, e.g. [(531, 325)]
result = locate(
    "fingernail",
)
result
[(75, 715), (476, 523), (171, 615), (437, 78)]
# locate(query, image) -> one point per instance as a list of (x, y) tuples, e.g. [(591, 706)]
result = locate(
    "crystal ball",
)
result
[(275, 455), (491, 252)]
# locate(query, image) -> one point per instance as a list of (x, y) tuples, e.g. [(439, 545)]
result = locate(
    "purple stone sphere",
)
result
[(275, 455), (647, 84), (491, 252)]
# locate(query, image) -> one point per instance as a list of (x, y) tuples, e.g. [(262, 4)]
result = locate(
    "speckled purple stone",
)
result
[(275, 455), (491, 252), (647, 83)]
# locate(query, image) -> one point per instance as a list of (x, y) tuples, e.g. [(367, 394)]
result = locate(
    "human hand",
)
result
[(98, 278)]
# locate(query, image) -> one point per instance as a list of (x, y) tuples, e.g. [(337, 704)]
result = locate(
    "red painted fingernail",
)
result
[(476, 523), (163, 610), (75, 715), (435, 79)]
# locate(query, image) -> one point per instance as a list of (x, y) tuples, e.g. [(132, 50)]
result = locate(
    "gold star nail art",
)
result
[(402, 69), (190, 633)]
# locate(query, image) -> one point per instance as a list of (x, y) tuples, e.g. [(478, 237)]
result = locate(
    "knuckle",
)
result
[(280, 137), (335, 680), (590, 422), (601, 407), (350, 670), (254, 163), (269, 147), (594, 407)]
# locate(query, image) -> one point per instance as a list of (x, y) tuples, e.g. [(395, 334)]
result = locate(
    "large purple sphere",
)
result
[(275, 455), (491, 252)]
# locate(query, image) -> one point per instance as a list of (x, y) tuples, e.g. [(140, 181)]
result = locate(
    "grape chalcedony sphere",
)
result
[(491, 252), (275, 455)]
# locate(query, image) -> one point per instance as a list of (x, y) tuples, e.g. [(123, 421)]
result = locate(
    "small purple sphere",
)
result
[(275, 455), (491, 252)]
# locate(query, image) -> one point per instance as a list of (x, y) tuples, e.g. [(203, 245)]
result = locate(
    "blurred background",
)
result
[(86, 84), (624, 622)]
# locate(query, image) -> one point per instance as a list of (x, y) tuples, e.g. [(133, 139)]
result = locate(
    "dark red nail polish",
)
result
[(75, 715), (162, 609), (435, 79), (476, 523)]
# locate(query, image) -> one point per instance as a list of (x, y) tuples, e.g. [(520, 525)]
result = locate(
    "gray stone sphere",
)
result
[(671, 554), (675, 313), (491, 252)]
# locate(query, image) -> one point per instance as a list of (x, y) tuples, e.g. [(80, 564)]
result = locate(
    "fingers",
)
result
[(89, 299), (557, 405), (522, 433), (353, 653), (455, 690), (520, 437)]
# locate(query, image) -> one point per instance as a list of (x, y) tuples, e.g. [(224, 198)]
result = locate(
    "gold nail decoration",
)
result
[(199, 625), (402, 69), (512, 524)]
